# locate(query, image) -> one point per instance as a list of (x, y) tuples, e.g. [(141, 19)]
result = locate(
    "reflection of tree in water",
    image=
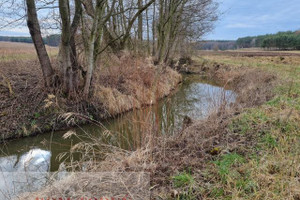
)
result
[(194, 98), (35, 160), (21, 173)]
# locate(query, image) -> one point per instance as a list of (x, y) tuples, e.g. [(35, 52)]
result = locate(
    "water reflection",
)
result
[(36, 160), (194, 98), (27, 172)]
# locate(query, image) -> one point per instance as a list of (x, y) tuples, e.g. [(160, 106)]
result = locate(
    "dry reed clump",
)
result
[(167, 81), (114, 101), (131, 83)]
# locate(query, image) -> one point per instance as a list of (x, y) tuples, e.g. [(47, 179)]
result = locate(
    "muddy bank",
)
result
[(200, 143), (119, 85)]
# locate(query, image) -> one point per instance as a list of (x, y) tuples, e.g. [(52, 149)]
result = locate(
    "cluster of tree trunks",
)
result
[(117, 25)]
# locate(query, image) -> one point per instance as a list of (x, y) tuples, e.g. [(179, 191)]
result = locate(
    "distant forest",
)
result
[(216, 45), (51, 40), (289, 40)]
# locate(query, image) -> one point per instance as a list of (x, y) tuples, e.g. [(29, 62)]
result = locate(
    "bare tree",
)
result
[(184, 19), (99, 25)]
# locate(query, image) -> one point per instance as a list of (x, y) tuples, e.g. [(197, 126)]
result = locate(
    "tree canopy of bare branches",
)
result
[(156, 27)]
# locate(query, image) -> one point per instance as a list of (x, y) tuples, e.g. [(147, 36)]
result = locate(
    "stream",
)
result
[(196, 97)]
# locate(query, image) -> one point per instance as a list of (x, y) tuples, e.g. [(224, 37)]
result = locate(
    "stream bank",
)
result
[(192, 100), (120, 85), (162, 155), (222, 153)]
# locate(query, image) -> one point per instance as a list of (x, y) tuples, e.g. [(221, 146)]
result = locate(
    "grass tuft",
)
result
[(183, 179)]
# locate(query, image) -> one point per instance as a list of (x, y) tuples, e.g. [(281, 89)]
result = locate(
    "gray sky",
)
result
[(240, 18)]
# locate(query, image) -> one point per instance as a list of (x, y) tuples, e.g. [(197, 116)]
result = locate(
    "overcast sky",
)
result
[(254, 17), (239, 18)]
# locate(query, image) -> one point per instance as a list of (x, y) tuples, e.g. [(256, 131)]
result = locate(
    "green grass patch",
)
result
[(226, 162), (217, 193), (183, 179), (248, 121), (270, 141)]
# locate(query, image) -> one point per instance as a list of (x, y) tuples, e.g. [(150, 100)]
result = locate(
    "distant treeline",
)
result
[(216, 45), (282, 40), (51, 40)]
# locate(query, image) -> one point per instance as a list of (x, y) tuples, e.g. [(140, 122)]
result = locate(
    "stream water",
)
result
[(196, 97)]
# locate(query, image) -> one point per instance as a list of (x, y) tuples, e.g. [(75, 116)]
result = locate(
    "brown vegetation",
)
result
[(193, 149), (89, 29), (198, 144), (122, 84), (131, 83)]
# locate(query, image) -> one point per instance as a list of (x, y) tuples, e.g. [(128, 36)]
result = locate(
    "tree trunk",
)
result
[(35, 32), (153, 30), (67, 53), (74, 27), (131, 22), (140, 22), (90, 66), (148, 33), (161, 32), (65, 47), (94, 44)]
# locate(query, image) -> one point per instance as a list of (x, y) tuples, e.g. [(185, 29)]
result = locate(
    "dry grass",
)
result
[(10, 51), (21, 96), (255, 50), (120, 85), (96, 186), (267, 167), (216, 158), (131, 83), (250, 151)]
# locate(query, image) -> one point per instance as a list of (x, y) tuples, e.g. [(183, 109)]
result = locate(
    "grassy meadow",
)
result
[(10, 51), (269, 166)]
